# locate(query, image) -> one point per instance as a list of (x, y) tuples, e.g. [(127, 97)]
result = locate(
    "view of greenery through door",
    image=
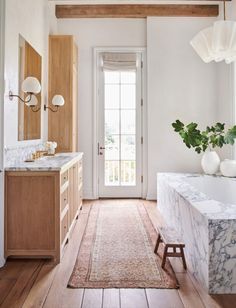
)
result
[(120, 128)]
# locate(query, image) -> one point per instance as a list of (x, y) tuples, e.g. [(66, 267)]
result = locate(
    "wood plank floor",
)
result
[(37, 283)]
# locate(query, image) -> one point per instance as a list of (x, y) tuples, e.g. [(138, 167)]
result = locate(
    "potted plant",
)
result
[(206, 141)]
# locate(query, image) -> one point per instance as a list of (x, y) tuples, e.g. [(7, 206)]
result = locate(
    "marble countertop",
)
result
[(209, 207), (47, 163)]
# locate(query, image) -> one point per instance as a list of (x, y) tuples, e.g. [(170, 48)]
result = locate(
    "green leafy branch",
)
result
[(213, 137)]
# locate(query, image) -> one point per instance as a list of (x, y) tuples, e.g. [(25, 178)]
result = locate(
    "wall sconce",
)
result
[(31, 86), (57, 101)]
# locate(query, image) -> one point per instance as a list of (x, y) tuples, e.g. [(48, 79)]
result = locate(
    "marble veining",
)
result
[(47, 163), (16, 155), (207, 226)]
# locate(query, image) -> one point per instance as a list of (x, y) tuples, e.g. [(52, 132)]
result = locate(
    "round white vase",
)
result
[(228, 168), (210, 162)]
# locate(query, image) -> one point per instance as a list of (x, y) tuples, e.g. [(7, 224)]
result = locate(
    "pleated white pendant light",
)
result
[(217, 43)]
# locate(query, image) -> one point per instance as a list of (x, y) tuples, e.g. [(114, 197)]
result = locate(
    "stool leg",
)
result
[(157, 243), (183, 258), (164, 257)]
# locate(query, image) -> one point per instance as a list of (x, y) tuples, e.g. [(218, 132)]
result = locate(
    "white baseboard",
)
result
[(2, 262), (89, 195), (151, 197)]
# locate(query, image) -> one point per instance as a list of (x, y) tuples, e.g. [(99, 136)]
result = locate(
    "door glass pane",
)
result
[(128, 77), (128, 147), (112, 96), (128, 121), (112, 77), (112, 147), (120, 129), (112, 173), (128, 173), (112, 122), (128, 96)]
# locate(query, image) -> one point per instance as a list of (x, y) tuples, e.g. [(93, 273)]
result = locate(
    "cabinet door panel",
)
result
[(30, 212), (71, 195)]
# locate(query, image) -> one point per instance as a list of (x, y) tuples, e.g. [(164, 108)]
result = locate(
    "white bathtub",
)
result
[(221, 189)]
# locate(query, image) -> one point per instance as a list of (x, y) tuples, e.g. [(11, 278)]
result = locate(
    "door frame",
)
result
[(96, 57), (2, 53)]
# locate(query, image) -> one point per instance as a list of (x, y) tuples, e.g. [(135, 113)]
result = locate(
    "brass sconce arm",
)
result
[(11, 96), (50, 108), (35, 109), (57, 101)]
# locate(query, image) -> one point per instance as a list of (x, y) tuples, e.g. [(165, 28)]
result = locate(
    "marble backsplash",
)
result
[(16, 155)]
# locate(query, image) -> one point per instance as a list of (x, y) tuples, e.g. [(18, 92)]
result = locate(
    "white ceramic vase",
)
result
[(228, 168), (210, 162)]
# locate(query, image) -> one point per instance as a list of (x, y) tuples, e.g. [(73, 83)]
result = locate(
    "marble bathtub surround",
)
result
[(206, 224)]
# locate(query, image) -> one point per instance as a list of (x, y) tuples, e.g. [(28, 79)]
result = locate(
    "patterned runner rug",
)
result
[(117, 250)]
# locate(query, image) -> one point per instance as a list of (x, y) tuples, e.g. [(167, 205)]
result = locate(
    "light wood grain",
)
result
[(29, 121), (30, 208), (39, 291), (92, 298), (163, 298), (62, 125), (135, 10), (133, 298), (24, 283), (111, 298)]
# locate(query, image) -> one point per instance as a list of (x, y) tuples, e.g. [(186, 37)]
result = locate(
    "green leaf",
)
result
[(230, 136), (219, 127), (178, 126), (191, 126)]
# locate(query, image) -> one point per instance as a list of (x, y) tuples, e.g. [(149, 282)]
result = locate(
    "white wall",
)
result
[(91, 33), (31, 20), (180, 86), (2, 33)]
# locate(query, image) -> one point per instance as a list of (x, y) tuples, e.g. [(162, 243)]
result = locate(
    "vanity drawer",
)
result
[(64, 177), (64, 227), (64, 199)]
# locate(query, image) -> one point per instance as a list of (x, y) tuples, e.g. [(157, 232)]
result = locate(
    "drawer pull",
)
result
[(64, 177), (65, 199)]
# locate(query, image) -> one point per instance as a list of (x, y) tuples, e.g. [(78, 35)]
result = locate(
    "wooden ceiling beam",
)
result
[(135, 10)]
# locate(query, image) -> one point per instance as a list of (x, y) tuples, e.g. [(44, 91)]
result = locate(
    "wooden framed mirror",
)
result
[(30, 64)]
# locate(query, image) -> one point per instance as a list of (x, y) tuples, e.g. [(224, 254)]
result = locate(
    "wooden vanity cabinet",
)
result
[(41, 208)]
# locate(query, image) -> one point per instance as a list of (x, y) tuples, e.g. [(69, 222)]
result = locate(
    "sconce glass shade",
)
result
[(31, 85), (58, 100), (216, 43), (32, 102)]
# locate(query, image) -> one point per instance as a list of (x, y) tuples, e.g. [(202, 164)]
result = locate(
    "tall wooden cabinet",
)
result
[(63, 80)]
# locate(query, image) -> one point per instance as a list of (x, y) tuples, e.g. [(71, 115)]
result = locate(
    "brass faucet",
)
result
[(38, 154)]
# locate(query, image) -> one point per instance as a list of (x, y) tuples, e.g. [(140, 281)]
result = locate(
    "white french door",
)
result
[(120, 126)]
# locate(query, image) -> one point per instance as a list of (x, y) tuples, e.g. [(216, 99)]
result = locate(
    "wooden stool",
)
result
[(170, 239)]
